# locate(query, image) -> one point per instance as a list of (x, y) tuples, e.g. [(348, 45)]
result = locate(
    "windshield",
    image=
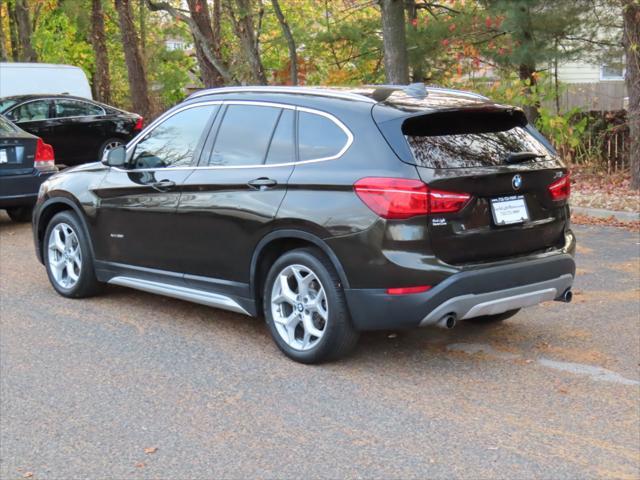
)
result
[(6, 104)]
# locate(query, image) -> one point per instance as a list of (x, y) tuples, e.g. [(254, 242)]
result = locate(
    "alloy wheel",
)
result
[(299, 307), (65, 256)]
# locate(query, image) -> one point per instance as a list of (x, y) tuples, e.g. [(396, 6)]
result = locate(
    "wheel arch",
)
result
[(47, 211), (275, 244)]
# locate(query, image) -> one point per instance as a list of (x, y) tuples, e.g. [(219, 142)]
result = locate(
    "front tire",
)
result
[(67, 257), (20, 214), (305, 308)]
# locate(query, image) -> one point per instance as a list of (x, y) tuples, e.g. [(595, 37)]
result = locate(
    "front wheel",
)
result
[(305, 308), (107, 146), (67, 257)]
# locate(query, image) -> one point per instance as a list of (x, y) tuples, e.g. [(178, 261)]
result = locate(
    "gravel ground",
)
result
[(131, 385)]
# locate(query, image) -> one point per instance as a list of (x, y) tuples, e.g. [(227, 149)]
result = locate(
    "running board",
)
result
[(182, 293)]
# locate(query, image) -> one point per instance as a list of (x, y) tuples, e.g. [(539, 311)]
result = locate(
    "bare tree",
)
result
[(101, 77), (212, 56), (241, 14), (631, 41), (394, 41), (291, 43), (199, 11), (138, 87)]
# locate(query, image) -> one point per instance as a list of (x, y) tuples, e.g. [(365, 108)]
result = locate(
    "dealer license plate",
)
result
[(509, 210)]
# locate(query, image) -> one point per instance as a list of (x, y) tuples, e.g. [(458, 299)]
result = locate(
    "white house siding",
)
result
[(577, 72)]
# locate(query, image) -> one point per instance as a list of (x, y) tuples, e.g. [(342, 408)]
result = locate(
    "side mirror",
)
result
[(116, 157)]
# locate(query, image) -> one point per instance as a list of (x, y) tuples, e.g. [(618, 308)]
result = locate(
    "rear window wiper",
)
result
[(520, 157)]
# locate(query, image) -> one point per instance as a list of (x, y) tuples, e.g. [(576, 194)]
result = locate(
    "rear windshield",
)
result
[(6, 127), (458, 140)]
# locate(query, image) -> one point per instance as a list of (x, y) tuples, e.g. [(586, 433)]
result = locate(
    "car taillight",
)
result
[(44, 159), (400, 198), (560, 189), (139, 124)]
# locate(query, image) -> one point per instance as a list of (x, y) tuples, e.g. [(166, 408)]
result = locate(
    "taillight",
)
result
[(560, 189), (139, 124), (400, 198), (44, 159)]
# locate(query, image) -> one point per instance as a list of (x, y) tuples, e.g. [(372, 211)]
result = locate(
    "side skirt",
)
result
[(182, 293)]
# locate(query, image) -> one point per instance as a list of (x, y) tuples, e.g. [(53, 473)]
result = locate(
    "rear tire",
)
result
[(500, 317), (67, 257), (305, 308), (20, 214)]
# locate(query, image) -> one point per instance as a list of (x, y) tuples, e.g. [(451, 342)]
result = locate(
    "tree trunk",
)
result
[(394, 41), (527, 73), (291, 43), (13, 33), (138, 87), (416, 65), (3, 47), (631, 42), (101, 77), (243, 26), (23, 23), (199, 10)]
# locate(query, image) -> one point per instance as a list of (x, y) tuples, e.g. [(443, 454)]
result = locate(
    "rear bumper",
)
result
[(20, 190), (471, 293)]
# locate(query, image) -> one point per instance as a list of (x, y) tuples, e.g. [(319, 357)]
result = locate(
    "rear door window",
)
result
[(319, 137), (244, 135), (282, 147), (76, 108)]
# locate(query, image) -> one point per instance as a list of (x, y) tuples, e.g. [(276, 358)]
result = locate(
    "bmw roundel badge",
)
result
[(516, 182)]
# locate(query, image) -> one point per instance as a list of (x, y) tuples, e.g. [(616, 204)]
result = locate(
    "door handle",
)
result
[(262, 183), (163, 185)]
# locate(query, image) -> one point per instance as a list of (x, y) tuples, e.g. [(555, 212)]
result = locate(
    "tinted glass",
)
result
[(244, 135), (282, 148), (30, 111), (6, 126), (6, 103), (319, 137), (472, 149), (76, 108), (174, 141)]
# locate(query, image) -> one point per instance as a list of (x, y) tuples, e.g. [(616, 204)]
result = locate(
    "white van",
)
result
[(38, 78)]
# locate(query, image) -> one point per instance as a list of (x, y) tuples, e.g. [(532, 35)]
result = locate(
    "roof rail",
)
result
[(297, 90)]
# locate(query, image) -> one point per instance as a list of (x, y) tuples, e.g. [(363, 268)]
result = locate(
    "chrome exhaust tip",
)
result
[(447, 322), (566, 297)]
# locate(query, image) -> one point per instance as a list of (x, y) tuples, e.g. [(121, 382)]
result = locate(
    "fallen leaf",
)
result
[(27, 475), (139, 465), (392, 335), (150, 450), (563, 390)]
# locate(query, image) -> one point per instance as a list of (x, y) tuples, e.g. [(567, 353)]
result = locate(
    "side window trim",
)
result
[(273, 132), (202, 162)]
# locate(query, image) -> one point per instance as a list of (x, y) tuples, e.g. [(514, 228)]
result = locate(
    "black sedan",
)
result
[(25, 162), (80, 130)]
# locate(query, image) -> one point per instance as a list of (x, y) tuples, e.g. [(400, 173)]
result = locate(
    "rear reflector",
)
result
[(560, 189), (407, 290), (44, 159), (401, 198), (139, 124)]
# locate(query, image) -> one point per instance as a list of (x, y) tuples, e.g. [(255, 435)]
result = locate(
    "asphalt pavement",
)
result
[(132, 385)]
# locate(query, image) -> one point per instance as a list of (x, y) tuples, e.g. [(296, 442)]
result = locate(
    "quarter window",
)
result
[(282, 148), (319, 137), (244, 135), (31, 111), (173, 142), (76, 108)]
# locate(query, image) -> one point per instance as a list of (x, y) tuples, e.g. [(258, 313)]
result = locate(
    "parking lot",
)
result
[(136, 385)]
